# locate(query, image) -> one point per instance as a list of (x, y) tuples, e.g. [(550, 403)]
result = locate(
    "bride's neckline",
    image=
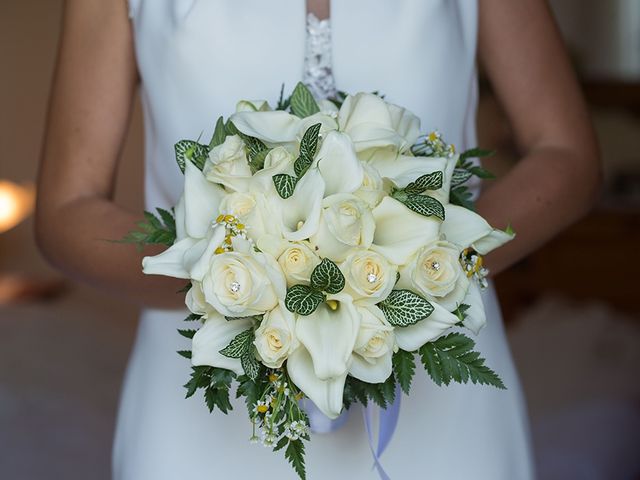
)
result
[(313, 18)]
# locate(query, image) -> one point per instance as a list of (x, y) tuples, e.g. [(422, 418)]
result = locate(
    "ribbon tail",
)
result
[(318, 421), (388, 420)]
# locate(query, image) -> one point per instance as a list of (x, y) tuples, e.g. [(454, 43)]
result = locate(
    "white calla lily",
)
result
[(476, 316), (329, 336), (326, 394), (271, 127), (253, 106), (495, 239), (372, 123), (400, 232), (170, 262), (216, 333), (201, 201), (466, 228), (404, 169), (301, 211), (414, 336), (338, 164)]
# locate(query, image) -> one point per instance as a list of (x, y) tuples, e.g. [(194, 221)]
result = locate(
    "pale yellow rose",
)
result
[(275, 337), (369, 276)]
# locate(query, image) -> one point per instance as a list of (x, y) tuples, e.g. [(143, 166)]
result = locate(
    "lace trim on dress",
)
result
[(318, 65)]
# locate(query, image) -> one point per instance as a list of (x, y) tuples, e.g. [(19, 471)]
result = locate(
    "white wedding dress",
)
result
[(196, 59)]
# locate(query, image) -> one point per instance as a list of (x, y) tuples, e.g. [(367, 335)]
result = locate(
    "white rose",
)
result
[(256, 213), (369, 277), (371, 190), (239, 284), (275, 337), (373, 350), (195, 301), (346, 223), (436, 273), (228, 165), (297, 262), (371, 123)]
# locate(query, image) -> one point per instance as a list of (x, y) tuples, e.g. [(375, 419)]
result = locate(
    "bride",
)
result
[(191, 59)]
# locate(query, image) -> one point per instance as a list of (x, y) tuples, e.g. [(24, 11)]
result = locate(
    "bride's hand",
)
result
[(558, 178), (89, 112)]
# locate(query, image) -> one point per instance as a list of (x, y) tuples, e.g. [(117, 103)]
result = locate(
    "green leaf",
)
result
[(460, 176), (303, 300), (403, 308), (200, 378), (250, 365), (187, 333), (481, 172), (217, 397), (425, 205), (461, 196), (285, 184), (188, 150), (509, 230), (251, 390), (451, 358), (153, 230), (295, 455), (327, 277), (475, 153), (193, 317), (302, 102), (283, 103), (240, 344), (404, 367), (461, 312), (219, 134), (430, 181), (308, 147), (257, 162), (185, 353)]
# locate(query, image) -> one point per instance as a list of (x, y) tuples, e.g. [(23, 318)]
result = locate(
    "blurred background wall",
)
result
[(571, 308)]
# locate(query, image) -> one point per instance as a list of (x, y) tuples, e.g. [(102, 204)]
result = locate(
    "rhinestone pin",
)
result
[(234, 287), (435, 266), (372, 278)]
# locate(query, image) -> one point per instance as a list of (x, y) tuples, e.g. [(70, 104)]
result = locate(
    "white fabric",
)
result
[(196, 59)]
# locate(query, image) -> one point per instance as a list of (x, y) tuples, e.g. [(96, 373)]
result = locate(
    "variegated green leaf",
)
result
[(327, 277), (430, 181), (303, 300), (302, 102), (285, 184), (425, 205), (240, 344), (250, 365), (308, 147), (460, 176), (188, 150), (403, 308)]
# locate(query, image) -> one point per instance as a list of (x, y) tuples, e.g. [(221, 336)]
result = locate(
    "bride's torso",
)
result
[(197, 58)]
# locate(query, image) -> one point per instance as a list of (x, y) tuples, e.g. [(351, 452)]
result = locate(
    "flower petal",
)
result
[(301, 211), (400, 232), (271, 127), (463, 227), (377, 370), (198, 258), (326, 394), (213, 336), (476, 316), (201, 201), (414, 336), (329, 336), (170, 262), (340, 168), (495, 239)]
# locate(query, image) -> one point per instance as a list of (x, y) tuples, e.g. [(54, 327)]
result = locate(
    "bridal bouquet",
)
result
[(326, 244)]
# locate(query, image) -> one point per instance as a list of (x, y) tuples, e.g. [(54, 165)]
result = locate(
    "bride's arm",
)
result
[(89, 114), (558, 177)]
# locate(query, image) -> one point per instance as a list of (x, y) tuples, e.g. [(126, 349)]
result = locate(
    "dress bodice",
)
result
[(197, 58)]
